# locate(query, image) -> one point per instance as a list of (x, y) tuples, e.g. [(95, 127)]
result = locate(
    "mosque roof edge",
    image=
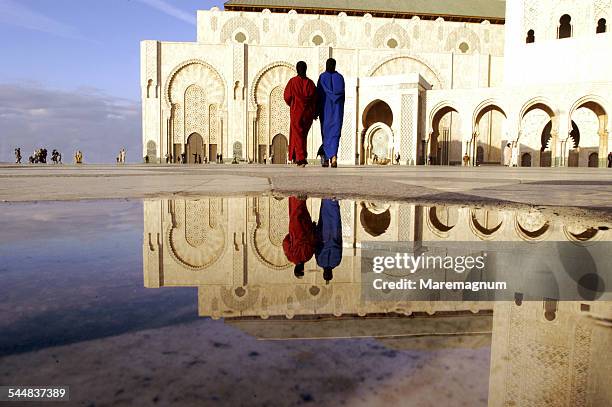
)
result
[(453, 10)]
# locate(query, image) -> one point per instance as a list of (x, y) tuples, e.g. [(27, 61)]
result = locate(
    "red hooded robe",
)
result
[(301, 96)]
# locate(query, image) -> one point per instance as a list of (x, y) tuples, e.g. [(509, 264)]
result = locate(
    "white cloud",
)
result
[(16, 14), (32, 117), (171, 10)]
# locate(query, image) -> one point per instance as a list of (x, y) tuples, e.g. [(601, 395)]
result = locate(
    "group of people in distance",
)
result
[(39, 156), (307, 103)]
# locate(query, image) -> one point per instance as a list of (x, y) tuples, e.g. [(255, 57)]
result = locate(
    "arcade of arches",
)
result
[(538, 139)]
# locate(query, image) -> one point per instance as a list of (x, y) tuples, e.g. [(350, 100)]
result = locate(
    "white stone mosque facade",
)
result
[(432, 81)]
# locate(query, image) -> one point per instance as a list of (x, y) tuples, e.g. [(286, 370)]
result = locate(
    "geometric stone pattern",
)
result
[(311, 27), (391, 30), (407, 130)]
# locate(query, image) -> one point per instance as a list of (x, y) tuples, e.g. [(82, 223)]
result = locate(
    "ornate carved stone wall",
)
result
[(243, 25), (268, 95), (388, 31), (196, 108), (408, 134), (317, 26), (195, 90), (279, 113)]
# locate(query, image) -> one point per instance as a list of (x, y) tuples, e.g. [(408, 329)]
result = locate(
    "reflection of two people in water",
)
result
[(306, 238)]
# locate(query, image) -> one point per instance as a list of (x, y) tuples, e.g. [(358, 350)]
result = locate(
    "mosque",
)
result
[(431, 81)]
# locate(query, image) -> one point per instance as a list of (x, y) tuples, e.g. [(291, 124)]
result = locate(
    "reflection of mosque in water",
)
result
[(232, 250), (543, 353)]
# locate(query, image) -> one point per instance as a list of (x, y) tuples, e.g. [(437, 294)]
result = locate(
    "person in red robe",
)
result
[(301, 96), (300, 243)]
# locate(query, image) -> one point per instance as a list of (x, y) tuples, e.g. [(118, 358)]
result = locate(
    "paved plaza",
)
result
[(563, 188)]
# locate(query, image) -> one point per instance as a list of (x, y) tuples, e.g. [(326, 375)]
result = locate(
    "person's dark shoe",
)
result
[(298, 271), (325, 164), (328, 274)]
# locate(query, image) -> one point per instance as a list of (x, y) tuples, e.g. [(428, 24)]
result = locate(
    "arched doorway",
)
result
[(377, 145), (591, 121), (538, 125), (593, 160), (195, 148), (526, 160), (489, 123), (279, 149), (445, 145)]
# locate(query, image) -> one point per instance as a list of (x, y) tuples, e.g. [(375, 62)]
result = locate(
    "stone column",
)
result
[(555, 151), (603, 149)]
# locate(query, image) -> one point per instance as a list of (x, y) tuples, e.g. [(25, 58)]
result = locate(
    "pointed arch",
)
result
[(405, 64), (195, 72)]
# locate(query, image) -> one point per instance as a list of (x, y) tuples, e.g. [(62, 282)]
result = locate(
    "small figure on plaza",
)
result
[(18, 155), (301, 96), (397, 158), (78, 157), (507, 154), (330, 101), (122, 156), (265, 158), (466, 160), (514, 156), (610, 159)]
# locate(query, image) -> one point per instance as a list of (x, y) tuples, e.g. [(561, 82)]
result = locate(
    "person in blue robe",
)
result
[(331, 95), (328, 251)]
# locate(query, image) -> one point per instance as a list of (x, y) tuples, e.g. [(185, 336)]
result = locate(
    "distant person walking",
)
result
[(78, 157), (514, 156), (122, 156), (18, 156), (610, 159), (331, 96), (507, 154), (301, 96)]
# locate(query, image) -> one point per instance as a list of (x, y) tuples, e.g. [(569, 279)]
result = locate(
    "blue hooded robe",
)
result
[(329, 246), (330, 89)]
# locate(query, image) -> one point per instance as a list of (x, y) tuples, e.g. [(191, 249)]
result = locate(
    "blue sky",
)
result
[(57, 52)]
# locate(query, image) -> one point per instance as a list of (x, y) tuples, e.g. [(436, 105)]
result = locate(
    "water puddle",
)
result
[(265, 300)]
